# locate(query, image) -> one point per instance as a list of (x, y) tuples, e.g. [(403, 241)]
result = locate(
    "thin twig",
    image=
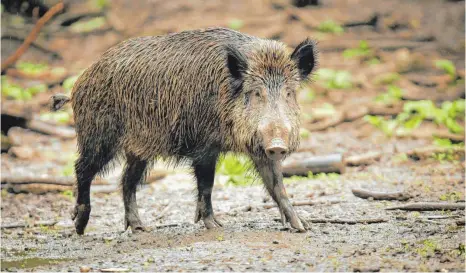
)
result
[(427, 206), (164, 211), (348, 221), (365, 194), (363, 159), (302, 203), (35, 224), (33, 35)]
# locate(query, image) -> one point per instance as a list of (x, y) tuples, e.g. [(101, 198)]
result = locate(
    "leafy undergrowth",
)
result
[(448, 114), (16, 92), (236, 168)]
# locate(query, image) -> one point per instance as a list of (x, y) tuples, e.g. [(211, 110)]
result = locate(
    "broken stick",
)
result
[(316, 164), (363, 159), (24, 225), (427, 206), (49, 129), (302, 203), (365, 194), (33, 35), (348, 221)]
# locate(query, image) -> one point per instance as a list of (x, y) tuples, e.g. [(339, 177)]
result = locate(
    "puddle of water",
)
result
[(30, 263)]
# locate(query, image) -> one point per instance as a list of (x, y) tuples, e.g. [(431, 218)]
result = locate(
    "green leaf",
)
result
[(414, 122), (387, 78), (447, 66), (235, 24), (61, 117), (304, 133), (32, 68), (330, 26), (69, 82), (88, 25)]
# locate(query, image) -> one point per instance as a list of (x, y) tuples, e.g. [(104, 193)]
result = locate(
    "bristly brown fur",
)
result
[(170, 96)]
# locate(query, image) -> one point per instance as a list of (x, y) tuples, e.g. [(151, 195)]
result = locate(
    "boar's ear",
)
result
[(305, 56), (237, 64)]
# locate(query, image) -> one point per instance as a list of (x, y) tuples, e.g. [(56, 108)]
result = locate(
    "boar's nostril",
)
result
[(276, 152)]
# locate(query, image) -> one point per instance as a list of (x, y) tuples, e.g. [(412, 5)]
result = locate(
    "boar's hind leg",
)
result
[(205, 172), (86, 167), (134, 175), (271, 174)]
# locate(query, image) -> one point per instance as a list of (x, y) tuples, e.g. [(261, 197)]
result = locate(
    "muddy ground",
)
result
[(406, 36)]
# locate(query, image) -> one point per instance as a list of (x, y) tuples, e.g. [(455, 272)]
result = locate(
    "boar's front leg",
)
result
[(271, 174), (204, 171)]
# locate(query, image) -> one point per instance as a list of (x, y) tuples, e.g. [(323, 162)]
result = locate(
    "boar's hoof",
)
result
[(209, 219), (135, 225), (210, 222), (80, 215), (295, 221)]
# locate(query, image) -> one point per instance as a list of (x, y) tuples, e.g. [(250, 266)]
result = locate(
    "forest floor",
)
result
[(355, 108)]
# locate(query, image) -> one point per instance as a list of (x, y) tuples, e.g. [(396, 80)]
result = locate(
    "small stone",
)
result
[(275, 242), (84, 269)]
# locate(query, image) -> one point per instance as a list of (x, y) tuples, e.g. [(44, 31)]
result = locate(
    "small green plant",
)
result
[(220, 238), (330, 26), (16, 92), (60, 117), (310, 175), (386, 126), (32, 68), (99, 4), (400, 158), (428, 248), (386, 78), (446, 143), (451, 196), (304, 133), (235, 167), (68, 194), (88, 25), (415, 112), (363, 50), (69, 82), (393, 94), (335, 79), (448, 67), (235, 24)]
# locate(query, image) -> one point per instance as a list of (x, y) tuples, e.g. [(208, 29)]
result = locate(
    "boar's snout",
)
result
[(275, 136), (277, 150)]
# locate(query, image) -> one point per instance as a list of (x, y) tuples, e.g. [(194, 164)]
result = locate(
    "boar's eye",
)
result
[(288, 94), (257, 94)]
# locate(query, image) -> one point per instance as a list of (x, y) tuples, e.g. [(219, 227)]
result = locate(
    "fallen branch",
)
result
[(164, 211), (49, 129), (426, 152), (365, 194), (35, 188), (24, 225), (50, 180), (316, 164), (363, 159), (33, 35), (336, 119), (427, 206)]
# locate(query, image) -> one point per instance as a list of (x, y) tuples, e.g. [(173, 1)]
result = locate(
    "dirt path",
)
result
[(250, 240)]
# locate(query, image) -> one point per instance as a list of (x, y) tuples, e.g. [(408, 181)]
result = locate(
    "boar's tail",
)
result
[(58, 100)]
